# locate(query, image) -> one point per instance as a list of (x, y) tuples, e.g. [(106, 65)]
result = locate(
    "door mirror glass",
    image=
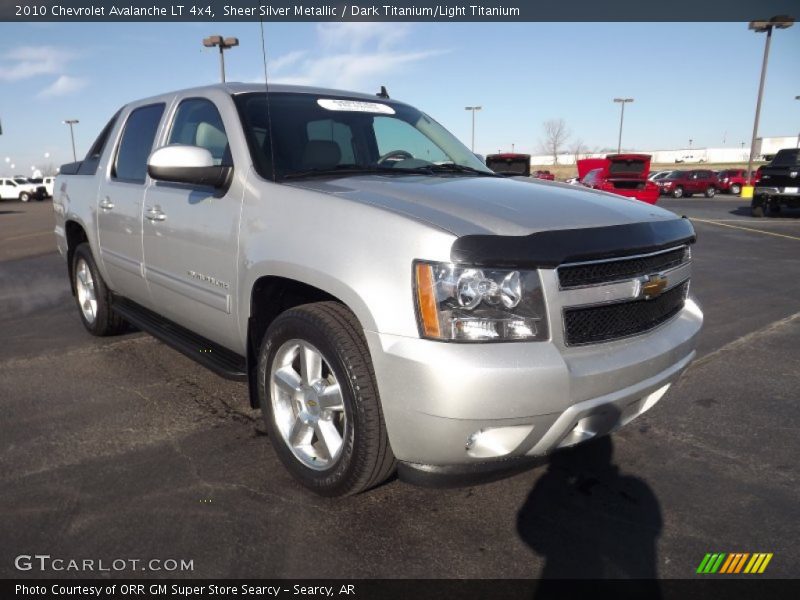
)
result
[(193, 165)]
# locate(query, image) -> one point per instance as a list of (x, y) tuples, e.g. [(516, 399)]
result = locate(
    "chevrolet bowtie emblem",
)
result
[(653, 286)]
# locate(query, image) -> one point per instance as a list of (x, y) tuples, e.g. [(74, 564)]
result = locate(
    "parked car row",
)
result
[(25, 189)]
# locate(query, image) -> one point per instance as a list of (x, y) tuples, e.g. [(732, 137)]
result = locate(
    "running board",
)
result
[(223, 362)]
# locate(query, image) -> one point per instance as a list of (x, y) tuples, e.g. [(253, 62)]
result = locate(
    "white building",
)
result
[(767, 146)]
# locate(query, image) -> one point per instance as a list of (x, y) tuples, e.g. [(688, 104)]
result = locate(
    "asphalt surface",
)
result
[(123, 448)]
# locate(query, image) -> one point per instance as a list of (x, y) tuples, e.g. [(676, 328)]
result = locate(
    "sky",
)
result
[(694, 81)]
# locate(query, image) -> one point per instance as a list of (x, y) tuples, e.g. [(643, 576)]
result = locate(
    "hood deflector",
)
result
[(549, 249)]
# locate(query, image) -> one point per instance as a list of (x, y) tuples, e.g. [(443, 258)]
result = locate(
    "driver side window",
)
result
[(395, 134)]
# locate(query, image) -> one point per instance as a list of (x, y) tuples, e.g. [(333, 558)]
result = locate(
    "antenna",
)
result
[(266, 90), (383, 93)]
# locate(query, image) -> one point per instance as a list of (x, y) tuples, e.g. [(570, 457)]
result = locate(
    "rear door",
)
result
[(120, 203), (191, 232)]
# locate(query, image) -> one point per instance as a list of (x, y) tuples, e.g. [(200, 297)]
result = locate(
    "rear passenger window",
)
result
[(198, 123), (137, 143)]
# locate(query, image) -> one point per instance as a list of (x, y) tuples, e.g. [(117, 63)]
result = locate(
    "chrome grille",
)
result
[(605, 322), (594, 273)]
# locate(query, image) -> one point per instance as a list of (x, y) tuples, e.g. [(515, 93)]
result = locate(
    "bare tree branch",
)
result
[(555, 136)]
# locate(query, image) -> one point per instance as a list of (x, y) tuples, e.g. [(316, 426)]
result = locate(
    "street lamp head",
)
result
[(231, 42), (779, 22), (472, 107), (71, 122), (213, 40), (623, 100)]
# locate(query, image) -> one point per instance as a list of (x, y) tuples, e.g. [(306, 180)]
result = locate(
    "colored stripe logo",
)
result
[(734, 563)]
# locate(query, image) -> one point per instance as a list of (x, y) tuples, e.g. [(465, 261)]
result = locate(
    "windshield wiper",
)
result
[(451, 168), (337, 170)]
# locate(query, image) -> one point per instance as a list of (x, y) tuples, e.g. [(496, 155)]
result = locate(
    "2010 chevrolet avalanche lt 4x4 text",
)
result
[(391, 301)]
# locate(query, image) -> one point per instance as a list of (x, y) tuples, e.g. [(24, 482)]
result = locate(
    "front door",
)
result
[(120, 202), (191, 234)]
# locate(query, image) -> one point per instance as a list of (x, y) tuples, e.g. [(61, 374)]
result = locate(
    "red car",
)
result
[(623, 174), (682, 184), (544, 175), (732, 180)]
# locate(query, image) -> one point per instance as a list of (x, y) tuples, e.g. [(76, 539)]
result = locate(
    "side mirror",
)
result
[(187, 164)]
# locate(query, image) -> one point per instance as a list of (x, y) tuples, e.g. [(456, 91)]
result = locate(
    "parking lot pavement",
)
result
[(26, 229), (122, 448)]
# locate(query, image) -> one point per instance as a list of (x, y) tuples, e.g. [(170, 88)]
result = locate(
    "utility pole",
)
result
[(72, 122), (781, 22), (473, 109), (622, 102), (223, 44)]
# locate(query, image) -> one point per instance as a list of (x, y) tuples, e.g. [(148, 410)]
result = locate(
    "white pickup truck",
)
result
[(392, 302), (19, 188)]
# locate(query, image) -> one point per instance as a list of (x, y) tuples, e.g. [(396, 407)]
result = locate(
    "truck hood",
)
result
[(489, 205)]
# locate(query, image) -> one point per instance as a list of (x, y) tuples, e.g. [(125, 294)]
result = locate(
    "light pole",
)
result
[(473, 109), (223, 44), (781, 22), (72, 122), (798, 135), (622, 102)]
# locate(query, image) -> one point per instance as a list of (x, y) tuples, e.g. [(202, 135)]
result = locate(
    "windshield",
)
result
[(322, 134)]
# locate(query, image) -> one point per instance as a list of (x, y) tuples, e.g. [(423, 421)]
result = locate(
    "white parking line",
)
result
[(782, 235)]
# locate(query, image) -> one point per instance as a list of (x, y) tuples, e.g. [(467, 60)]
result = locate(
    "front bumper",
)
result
[(448, 404)]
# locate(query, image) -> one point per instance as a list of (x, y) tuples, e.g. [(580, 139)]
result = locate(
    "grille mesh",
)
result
[(607, 272), (587, 325)]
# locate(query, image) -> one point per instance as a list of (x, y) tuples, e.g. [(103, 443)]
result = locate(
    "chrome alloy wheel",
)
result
[(84, 286), (307, 404)]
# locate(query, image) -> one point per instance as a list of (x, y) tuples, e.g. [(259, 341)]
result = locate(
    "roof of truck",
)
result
[(243, 88)]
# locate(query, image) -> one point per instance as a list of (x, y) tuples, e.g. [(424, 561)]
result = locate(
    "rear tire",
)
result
[(92, 296), (320, 403), (678, 192), (757, 207), (24, 197), (735, 189)]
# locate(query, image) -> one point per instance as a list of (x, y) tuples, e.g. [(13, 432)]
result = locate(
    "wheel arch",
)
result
[(271, 295), (75, 234)]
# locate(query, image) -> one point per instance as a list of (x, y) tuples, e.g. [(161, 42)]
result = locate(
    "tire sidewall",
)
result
[(293, 326), (735, 189), (678, 192), (83, 252), (24, 197)]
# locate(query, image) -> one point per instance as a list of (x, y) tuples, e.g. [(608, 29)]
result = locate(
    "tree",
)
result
[(555, 136), (49, 170), (579, 150)]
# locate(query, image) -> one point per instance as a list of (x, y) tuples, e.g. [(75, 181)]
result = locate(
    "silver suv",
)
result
[(392, 302)]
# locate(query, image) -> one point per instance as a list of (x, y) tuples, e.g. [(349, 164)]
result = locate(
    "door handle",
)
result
[(155, 214), (106, 203)]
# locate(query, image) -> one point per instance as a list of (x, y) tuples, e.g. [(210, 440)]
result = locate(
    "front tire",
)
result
[(735, 189), (677, 192), (92, 295), (711, 191), (320, 403), (24, 197)]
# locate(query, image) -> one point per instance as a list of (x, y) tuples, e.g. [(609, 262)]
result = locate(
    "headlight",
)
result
[(470, 304)]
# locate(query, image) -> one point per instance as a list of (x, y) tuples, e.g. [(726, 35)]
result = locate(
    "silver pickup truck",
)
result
[(392, 303)]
